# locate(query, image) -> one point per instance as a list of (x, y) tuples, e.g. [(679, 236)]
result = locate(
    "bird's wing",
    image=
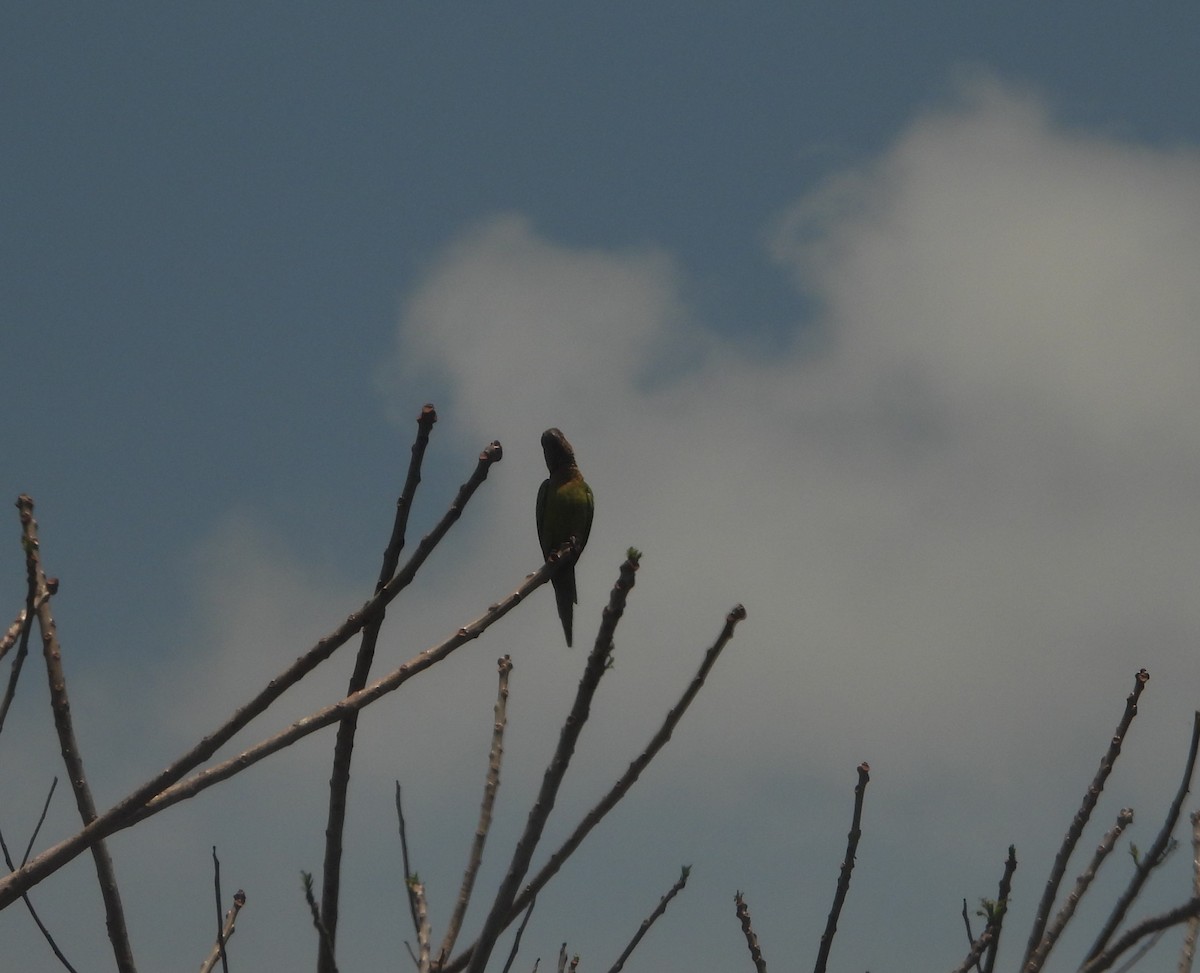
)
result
[(543, 490)]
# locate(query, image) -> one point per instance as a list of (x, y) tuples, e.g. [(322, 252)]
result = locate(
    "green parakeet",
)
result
[(564, 510)]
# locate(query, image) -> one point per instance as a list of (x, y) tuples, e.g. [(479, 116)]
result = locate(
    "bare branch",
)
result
[(491, 785), (1000, 909), (1154, 856), (597, 664), (1182, 913), (621, 787), (220, 924), (651, 919), (408, 871), (343, 751), (1081, 817), (516, 945), (1188, 951), (60, 705), (1107, 843), (37, 920), (843, 885), (743, 914), (325, 944)]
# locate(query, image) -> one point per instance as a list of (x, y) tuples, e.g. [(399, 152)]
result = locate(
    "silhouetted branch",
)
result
[(595, 668), (220, 924), (491, 785), (61, 707), (516, 945), (622, 786), (37, 920), (1182, 913), (343, 751), (1188, 950), (1000, 909), (743, 914), (408, 871), (1090, 797), (323, 940), (651, 919), (1107, 843), (1154, 856), (843, 885)]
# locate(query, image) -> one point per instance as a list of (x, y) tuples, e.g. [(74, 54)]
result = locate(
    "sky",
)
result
[(881, 320)]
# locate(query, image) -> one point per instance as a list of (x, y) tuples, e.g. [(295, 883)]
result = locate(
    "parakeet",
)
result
[(564, 510)]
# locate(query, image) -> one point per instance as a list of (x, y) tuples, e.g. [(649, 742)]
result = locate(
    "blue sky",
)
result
[(879, 319)]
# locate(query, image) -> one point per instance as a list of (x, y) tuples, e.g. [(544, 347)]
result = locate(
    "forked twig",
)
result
[(1107, 843), (1000, 909), (37, 920), (843, 885), (1090, 797), (1154, 856), (325, 944), (1181, 913), (622, 786), (651, 919), (597, 664), (743, 914)]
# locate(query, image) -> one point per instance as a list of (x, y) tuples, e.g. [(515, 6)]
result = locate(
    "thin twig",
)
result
[(843, 885), (516, 944), (227, 931), (324, 943), (970, 935), (1154, 856), (37, 920), (651, 919), (343, 752), (60, 705), (1000, 908), (622, 786), (1079, 822), (220, 924), (1188, 951), (490, 787), (743, 914), (1107, 843), (597, 663), (1181, 913), (40, 821), (35, 596), (408, 872)]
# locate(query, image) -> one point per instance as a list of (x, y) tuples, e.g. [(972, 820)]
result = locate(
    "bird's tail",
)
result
[(565, 596)]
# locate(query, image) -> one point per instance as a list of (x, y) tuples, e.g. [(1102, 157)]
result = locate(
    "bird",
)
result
[(564, 511)]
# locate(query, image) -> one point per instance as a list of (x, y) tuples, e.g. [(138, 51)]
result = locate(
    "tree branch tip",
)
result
[(1142, 677), (504, 663), (493, 452), (736, 614)]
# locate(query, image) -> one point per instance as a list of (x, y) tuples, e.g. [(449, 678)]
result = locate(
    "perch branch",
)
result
[(227, 931)]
